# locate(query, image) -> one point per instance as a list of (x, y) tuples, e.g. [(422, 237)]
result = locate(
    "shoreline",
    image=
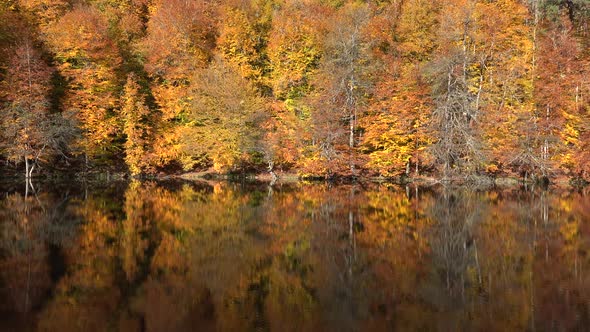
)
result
[(507, 181), (289, 177)]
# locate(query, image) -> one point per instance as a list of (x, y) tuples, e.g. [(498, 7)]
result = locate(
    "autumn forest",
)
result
[(454, 89)]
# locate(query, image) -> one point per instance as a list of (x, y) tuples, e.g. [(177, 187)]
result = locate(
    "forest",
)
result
[(448, 89)]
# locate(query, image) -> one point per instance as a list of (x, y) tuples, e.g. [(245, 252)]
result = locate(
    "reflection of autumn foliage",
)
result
[(24, 269), (223, 256), (561, 261), (85, 294)]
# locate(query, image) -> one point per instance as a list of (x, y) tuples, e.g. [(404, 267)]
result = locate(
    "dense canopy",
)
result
[(321, 88)]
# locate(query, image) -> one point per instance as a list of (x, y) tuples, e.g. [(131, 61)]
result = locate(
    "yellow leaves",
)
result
[(223, 121), (492, 168), (237, 42), (294, 51), (417, 29), (137, 127), (569, 231), (571, 134)]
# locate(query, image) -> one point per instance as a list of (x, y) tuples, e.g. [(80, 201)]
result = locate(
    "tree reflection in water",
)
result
[(226, 257)]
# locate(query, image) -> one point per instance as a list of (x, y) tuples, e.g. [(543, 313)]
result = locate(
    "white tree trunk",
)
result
[(27, 173)]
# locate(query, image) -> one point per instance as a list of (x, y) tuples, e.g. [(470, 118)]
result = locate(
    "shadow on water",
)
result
[(179, 256)]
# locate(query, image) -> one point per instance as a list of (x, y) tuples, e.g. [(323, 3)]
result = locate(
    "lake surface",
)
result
[(176, 256)]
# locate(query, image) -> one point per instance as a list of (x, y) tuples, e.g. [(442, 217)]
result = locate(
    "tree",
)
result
[(456, 113), (88, 59), (137, 127), (239, 43), (224, 121), (294, 51), (504, 78), (180, 39), (560, 75), (342, 83), (395, 127), (46, 12), (29, 132)]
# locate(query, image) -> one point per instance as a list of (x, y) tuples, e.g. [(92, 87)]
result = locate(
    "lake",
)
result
[(221, 256)]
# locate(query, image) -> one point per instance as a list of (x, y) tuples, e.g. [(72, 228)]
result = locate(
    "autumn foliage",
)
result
[(452, 89)]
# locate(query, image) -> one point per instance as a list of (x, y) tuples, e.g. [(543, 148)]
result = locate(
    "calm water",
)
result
[(233, 257)]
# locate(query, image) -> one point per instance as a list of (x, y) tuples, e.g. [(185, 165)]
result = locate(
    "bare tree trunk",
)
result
[(351, 132), (273, 175), (351, 144), (352, 120), (27, 166), (31, 170)]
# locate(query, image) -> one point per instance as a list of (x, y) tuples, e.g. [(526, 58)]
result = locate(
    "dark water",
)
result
[(233, 257)]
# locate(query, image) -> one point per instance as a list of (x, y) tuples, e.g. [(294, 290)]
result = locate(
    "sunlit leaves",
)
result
[(137, 126), (224, 118)]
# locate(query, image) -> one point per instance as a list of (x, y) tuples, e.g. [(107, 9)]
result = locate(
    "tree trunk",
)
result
[(351, 143), (31, 170), (273, 175), (351, 132), (27, 174)]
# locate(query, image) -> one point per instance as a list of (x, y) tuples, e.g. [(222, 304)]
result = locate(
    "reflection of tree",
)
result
[(342, 269), (171, 298), (31, 228), (85, 295), (176, 257), (25, 272), (394, 238), (121, 252), (503, 251), (561, 263), (455, 213)]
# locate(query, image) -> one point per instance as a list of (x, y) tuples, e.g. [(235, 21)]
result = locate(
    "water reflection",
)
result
[(234, 257)]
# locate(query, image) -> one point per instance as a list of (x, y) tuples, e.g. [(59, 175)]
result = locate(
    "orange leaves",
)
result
[(179, 36), (350, 87), (505, 64), (28, 76), (46, 11), (88, 58), (416, 29), (283, 137), (343, 83), (79, 35), (396, 124), (26, 127), (398, 115), (561, 74)]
